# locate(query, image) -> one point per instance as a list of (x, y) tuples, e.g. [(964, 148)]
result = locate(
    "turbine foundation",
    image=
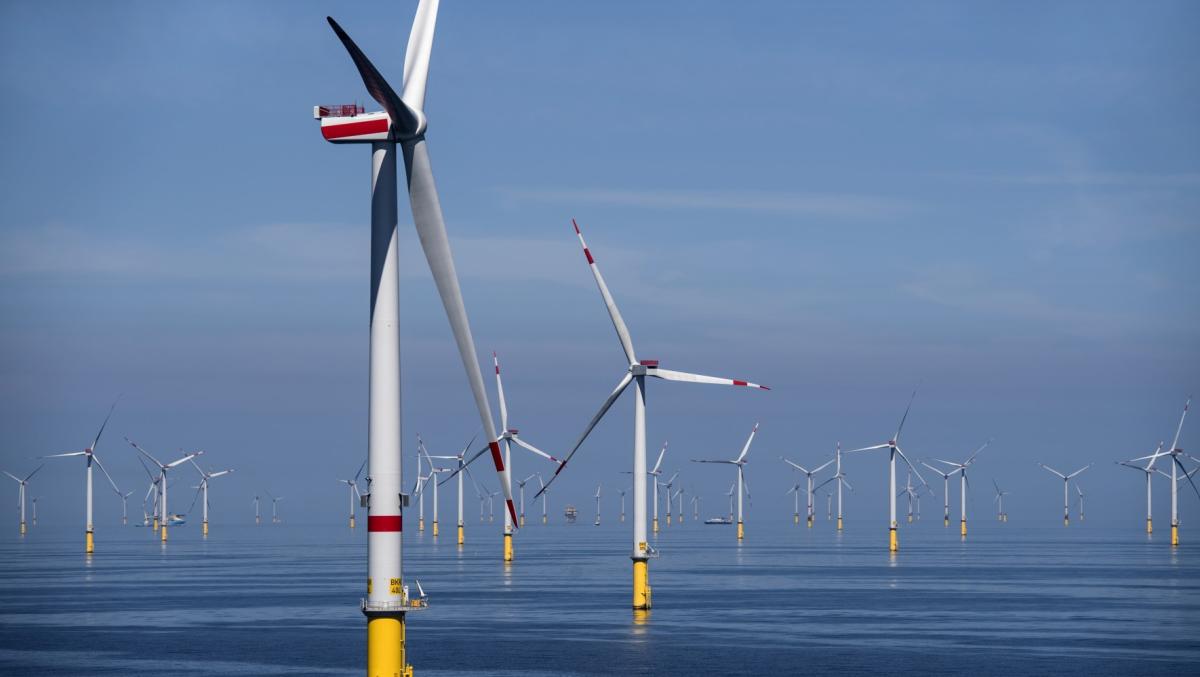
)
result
[(893, 544), (508, 548), (641, 584), (385, 647), (89, 542)]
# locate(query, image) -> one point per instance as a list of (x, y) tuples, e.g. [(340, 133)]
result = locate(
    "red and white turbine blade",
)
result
[(672, 375), (416, 59), (613, 313), (746, 448), (535, 450), (624, 383), (431, 230)]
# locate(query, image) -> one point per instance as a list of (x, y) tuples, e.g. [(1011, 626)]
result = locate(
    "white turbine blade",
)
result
[(522, 443), (431, 230), (18, 479), (500, 395), (746, 448), (795, 487), (218, 474), (1186, 474), (69, 453), (704, 460), (936, 470), (910, 465), (824, 483), (1179, 429), (463, 462), (405, 120), (823, 466), (101, 466), (144, 452), (1078, 471), (660, 458), (185, 459), (843, 479), (1052, 470), (972, 458), (905, 417), (531, 476), (357, 474), (671, 375), (420, 590), (797, 466), (958, 466), (30, 475), (671, 481), (613, 313), (872, 448), (625, 381), (198, 468), (114, 406), (416, 58)]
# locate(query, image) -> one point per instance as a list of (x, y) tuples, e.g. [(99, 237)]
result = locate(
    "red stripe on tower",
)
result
[(385, 523)]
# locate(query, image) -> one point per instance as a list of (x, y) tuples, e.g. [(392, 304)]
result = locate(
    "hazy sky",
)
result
[(840, 200)]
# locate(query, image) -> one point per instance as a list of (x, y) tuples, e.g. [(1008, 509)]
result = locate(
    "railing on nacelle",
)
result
[(347, 110)]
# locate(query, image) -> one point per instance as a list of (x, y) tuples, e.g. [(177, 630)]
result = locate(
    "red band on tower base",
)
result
[(385, 523)]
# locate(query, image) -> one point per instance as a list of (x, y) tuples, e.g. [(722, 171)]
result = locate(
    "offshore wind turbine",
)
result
[(1149, 471), (655, 473), (521, 487), (623, 492), (908, 491), (739, 463), (351, 486), (679, 499), (1174, 453), (1066, 486), (841, 477), (695, 507), (34, 502), (434, 471), (21, 484), (510, 437), (999, 500), (963, 483), (636, 372), (90, 454), (945, 475), (670, 484), (402, 123), (545, 495), (732, 488), (124, 506), (274, 508), (893, 447), (1080, 490), (206, 476), (418, 490), (795, 502), (808, 474), (257, 513), (164, 517), (597, 505)]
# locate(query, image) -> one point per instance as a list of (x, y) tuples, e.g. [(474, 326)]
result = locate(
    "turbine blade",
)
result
[(1078, 471), (905, 417), (797, 466), (613, 313), (972, 458), (1186, 474), (70, 453), (114, 406), (147, 454), (877, 446), (416, 58), (1179, 429), (360, 469), (624, 383), (110, 479), (404, 119), (746, 448), (431, 230), (671, 375), (911, 467), (500, 395), (13, 476), (534, 449), (1052, 470)]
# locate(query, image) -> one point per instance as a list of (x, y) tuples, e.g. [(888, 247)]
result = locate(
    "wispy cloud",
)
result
[(1080, 179), (817, 204)]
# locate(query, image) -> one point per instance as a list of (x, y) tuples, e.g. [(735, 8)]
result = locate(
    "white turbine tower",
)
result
[(963, 484), (655, 473), (351, 487), (636, 373), (418, 491), (670, 484), (893, 447), (1066, 493), (742, 487), (679, 498), (1149, 471), (1080, 490), (732, 488), (545, 497), (841, 477), (795, 490), (910, 494), (622, 493), (597, 505), (125, 506), (203, 491), (695, 507), (34, 502), (1176, 465), (90, 454), (402, 123), (257, 512), (21, 484), (808, 474), (274, 508), (164, 516), (521, 487), (434, 471), (999, 501)]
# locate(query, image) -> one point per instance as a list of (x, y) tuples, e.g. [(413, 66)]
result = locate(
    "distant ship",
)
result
[(719, 520), (570, 514), (176, 520)]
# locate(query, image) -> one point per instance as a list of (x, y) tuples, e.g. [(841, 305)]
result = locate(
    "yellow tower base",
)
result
[(156, 523), (656, 525), (461, 538), (946, 521), (522, 520), (164, 533), (89, 542), (641, 584), (795, 518), (910, 519), (1066, 521), (22, 528), (352, 521), (622, 517), (741, 531), (508, 548), (204, 527), (1174, 535), (385, 647), (420, 524), (435, 529), (810, 521), (893, 544), (963, 526), (839, 528), (1149, 526), (668, 519), (543, 519)]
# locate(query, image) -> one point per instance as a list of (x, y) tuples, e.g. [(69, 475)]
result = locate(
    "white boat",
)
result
[(718, 520)]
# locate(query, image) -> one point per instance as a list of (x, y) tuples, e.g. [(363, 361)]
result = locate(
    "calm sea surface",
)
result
[(283, 600)]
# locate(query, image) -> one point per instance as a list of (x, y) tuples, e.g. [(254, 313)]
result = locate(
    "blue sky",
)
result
[(838, 200)]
